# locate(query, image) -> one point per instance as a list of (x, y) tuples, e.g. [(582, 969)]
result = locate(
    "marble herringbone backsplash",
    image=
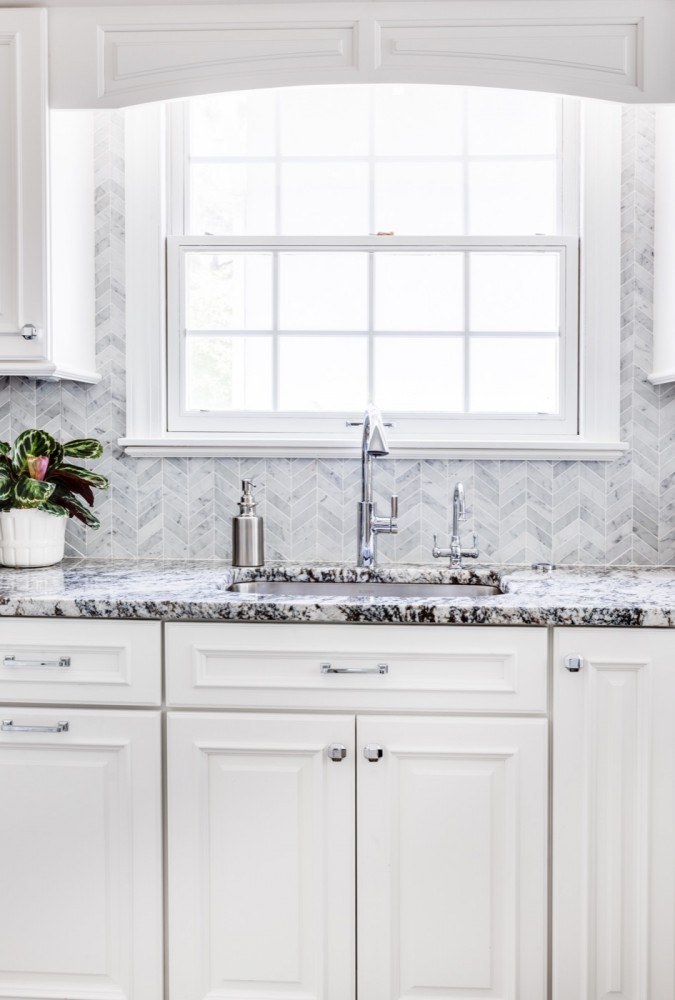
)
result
[(597, 513)]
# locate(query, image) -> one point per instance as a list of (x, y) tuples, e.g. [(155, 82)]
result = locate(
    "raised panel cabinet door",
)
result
[(613, 919), (261, 857), (452, 858), (80, 855), (23, 182)]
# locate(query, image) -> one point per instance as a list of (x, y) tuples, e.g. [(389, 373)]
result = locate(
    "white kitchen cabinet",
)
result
[(80, 855), (46, 215), (261, 857), (452, 858), (449, 832), (451, 841), (614, 814)]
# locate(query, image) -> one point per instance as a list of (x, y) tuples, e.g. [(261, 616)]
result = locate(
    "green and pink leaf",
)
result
[(32, 443), (32, 492), (83, 448), (37, 466)]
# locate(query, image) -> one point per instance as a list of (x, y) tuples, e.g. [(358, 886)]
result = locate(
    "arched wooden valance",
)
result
[(118, 56)]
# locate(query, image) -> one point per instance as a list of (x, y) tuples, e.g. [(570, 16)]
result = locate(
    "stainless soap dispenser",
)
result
[(248, 537)]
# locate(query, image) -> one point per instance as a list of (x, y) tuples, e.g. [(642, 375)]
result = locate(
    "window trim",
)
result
[(147, 177)]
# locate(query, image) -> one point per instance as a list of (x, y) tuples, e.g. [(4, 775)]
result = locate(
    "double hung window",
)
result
[(416, 246)]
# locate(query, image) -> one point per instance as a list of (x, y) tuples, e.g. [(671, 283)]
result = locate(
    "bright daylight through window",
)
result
[(413, 245)]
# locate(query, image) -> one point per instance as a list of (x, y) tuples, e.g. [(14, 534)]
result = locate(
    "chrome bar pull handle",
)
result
[(328, 668), (574, 663), (373, 752), (336, 752), (9, 727), (12, 662)]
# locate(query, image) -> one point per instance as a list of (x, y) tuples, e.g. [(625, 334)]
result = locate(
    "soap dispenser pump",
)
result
[(248, 537)]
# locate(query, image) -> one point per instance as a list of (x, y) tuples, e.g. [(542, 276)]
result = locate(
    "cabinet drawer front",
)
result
[(80, 662), (357, 667)]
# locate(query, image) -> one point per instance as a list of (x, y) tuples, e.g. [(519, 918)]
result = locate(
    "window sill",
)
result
[(259, 446)]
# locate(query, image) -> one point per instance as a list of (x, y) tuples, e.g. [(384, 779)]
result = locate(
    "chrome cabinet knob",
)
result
[(337, 751), (574, 663), (372, 752)]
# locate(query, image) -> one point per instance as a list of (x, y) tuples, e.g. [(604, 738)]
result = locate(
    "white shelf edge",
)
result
[(576, 450), (48, 372), (661, 378)]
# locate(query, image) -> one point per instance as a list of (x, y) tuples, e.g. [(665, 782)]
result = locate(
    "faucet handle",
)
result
[(394, 506), (473, 552)]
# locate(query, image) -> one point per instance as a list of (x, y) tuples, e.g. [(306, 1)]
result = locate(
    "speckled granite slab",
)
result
[(198, 592)]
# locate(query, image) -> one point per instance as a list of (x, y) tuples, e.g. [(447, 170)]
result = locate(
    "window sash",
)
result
[(331, 424), (567, 160)]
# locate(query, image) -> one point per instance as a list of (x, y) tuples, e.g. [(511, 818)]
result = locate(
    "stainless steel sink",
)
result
[(283, 588)]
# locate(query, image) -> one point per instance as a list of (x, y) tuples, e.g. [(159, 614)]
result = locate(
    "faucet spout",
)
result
[(374, 438), (373, 445)]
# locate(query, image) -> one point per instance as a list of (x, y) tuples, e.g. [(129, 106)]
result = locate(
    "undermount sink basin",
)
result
[(285, 588)]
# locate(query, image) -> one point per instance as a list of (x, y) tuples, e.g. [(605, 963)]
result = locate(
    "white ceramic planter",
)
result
[(31, 538)]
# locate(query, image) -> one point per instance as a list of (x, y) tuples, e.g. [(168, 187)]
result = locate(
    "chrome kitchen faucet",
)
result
[(456, 553), (373, 445)]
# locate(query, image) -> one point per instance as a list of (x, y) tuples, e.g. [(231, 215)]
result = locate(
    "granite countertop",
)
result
[(181, 591)]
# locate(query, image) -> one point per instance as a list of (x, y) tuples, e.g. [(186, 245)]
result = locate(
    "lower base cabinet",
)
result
[(303, 846), (80, 855), (317, 855), (614, 814)]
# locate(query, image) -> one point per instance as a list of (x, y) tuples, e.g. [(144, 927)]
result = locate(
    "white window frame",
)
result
[(147, 181)]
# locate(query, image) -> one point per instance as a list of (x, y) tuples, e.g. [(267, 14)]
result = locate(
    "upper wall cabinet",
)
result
[(115, 56), (46, 215)]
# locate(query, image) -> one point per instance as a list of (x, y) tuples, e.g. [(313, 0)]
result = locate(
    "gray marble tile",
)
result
[(617, 513)]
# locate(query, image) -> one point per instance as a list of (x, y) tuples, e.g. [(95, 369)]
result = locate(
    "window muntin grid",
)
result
[(297, 352), (192, 405), (482, 184)]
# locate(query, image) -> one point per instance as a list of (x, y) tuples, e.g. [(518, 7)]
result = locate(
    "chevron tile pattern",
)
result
[(597, 513)]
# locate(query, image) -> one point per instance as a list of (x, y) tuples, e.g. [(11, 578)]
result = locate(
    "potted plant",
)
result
[(39, 490)]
